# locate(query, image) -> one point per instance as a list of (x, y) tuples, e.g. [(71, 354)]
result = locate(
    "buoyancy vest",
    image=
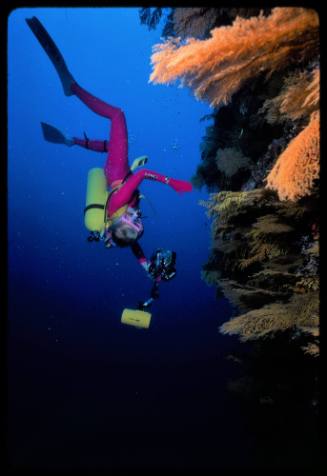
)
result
[(96, 218)]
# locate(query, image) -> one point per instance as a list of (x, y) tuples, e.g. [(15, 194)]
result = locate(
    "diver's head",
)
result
[(127, 228)]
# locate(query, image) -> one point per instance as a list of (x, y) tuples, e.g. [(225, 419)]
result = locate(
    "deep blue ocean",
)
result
[(86, 391)]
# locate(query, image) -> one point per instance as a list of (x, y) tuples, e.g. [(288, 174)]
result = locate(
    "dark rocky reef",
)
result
[(243, 127), (265, 260), (259, 157)]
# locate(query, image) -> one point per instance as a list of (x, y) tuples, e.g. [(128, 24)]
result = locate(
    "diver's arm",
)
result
[(96, 145), (52, 134), (138, 253), (124, 194)]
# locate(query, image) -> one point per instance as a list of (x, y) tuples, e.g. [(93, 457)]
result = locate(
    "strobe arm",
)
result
[(153, 295)]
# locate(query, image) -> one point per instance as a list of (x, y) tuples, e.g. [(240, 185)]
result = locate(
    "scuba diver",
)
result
[(122, 215)]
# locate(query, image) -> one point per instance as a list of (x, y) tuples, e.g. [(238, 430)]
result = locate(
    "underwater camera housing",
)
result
[(163, 264)]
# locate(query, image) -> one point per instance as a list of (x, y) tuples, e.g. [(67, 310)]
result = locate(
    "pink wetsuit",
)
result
[(116, 167)]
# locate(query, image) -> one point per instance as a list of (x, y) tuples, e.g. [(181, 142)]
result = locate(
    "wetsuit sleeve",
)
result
[(96, 145), (138, 253), (124, 194)]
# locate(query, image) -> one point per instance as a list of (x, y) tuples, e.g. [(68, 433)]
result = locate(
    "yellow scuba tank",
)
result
[(136, 318), (96, 198)]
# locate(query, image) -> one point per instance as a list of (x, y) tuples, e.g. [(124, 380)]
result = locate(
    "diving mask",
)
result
[(132, 218)]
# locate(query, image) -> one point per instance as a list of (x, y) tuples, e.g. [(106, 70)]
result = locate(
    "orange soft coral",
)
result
[(300, 96), (298, 166), (218, 67)]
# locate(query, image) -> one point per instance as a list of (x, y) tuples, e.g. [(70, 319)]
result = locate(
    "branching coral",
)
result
[(244, 297), (218, 67), (307, 283), (259, 253), (227, 205), (267, 239), (231, 160), (268, 225), (297, 167), (312, 349), (223, 203), (275, 280), (300, 96), (301, 311)]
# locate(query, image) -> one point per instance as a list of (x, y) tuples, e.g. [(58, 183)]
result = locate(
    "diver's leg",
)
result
[(116, 167), (54, 135), (91, 144), (53, 52)]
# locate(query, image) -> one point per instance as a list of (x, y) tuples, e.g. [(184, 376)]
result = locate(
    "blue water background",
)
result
[(85, 390)]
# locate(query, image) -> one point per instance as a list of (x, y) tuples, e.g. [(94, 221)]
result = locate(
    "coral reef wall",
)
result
[(260, 163), (259, 70), (265, 259)]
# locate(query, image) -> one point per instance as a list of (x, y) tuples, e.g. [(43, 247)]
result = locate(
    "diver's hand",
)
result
[(150, 270), (154, 276), (146, 266), (151, 276), (150, 273)]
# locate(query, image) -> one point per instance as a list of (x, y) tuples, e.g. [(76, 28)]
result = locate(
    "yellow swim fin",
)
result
[(139, 161), (136, 318)]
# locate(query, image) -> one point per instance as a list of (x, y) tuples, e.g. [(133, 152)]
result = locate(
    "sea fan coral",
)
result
[(297, 167), (218, 67), (260, 253), (228, 205), (312, 349), (300, 96), (223, 204), (230, 161), (268, 225), (301, 311)]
